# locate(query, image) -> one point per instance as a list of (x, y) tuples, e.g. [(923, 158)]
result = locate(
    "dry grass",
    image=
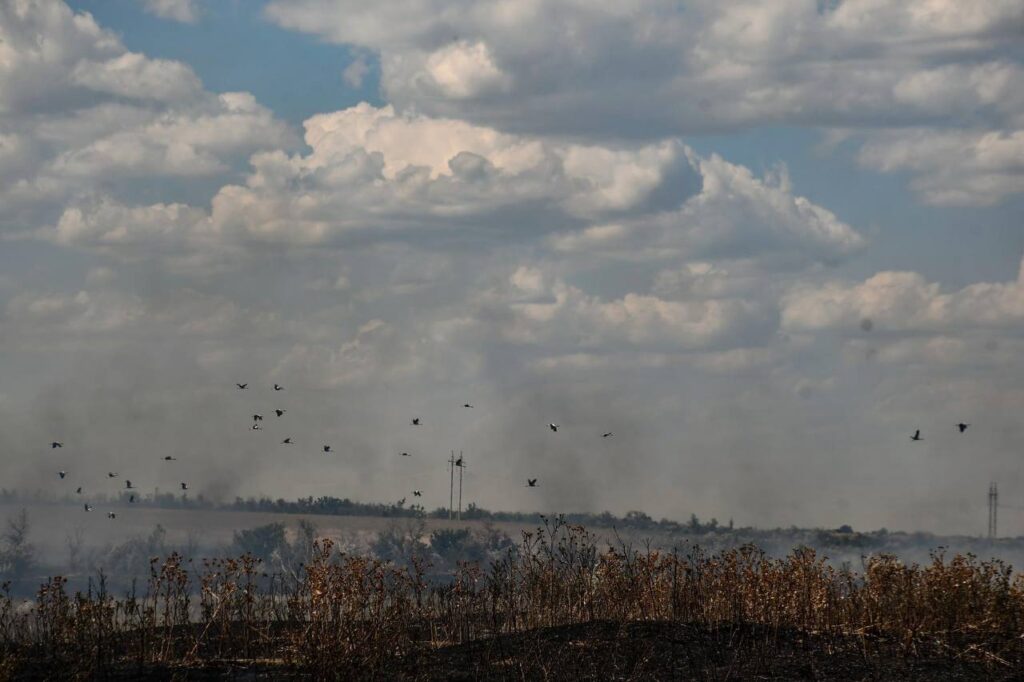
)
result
[(347, 616)]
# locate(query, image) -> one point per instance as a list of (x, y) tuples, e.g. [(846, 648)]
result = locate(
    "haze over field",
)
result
[(760, 242)]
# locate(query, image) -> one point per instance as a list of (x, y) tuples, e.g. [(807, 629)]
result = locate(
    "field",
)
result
[(559, 604)]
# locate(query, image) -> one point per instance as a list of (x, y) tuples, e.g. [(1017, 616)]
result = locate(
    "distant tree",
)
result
[(17, 555), (262, 542)]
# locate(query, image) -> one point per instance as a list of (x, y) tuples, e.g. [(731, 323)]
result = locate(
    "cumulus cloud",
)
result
[(185, 11), (658, 69)]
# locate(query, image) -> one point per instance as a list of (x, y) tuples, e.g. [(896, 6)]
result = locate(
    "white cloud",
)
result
[(185, 11), (656, 68)]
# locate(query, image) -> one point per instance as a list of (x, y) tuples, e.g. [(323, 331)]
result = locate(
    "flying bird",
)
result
[(531, 483), (467, 405), (917, 435), (256, 427), (406, 454), (242, 387), (327, 448), (62, 474), (168, 458), (400, 502), (280, 412), (607, 435), (278, 387), (56, 444), (127, 484), (553, 427), (111, 515), (458, 462), (79, 490), (88, 507), (962, 427), (287, 441), (416, 421), (417, 493), (184, 486), (257, 417), (111, 474)]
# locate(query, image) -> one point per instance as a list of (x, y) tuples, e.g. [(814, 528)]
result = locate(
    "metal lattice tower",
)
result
[(993, 510)]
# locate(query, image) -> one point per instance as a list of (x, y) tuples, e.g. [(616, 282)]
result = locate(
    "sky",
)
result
[(761, 242)]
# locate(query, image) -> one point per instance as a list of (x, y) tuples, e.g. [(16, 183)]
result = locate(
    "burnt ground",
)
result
[(616, 651)]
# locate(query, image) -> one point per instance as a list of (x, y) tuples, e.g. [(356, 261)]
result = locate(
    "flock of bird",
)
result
[(257, 420), (257, 425)]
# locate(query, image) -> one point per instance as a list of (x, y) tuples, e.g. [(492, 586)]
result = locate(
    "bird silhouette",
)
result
[(278, 387), (287, 441), (257, 417), (280, 412), (467, 405), (256, 427), (607, 435), (168, 458), (458, 462), (962, 427), (56, 444), (111, 515), (88, 507), (406, 454), (553, 427), (327, 448), (242, 387), (917, 435), (184, 486), (111, 474), (78, 491), (127, 484), (62, 474), (417, 493), (400, 502), (531, 483), (416, 421)]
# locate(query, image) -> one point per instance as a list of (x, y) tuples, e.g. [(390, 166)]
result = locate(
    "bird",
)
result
[(553, 427), (917, 435), (78, 491), (88, 507), (327, 448), (256, 427), (400, 502), (56, 444), (62, 474), (458, 462), (287, 441), (280, 412), (962, 427), (127, 484), (416, 421), (467, 405), (607, 435), (168, 458), (111, 474), (184, 486), (111, 515), (406, 454), (531, 483), (257, 417), (278, 387), (417, 493), (242, 387)]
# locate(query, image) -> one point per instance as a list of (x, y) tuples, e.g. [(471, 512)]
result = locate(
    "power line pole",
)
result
[(993, 509), (451, 484), (462, 466)]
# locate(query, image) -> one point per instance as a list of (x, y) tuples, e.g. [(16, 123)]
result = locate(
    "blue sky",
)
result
[(762, 242)]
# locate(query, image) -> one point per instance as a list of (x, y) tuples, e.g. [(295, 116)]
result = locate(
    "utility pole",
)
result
[(451, 484), (462, 465), (993, 509)]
